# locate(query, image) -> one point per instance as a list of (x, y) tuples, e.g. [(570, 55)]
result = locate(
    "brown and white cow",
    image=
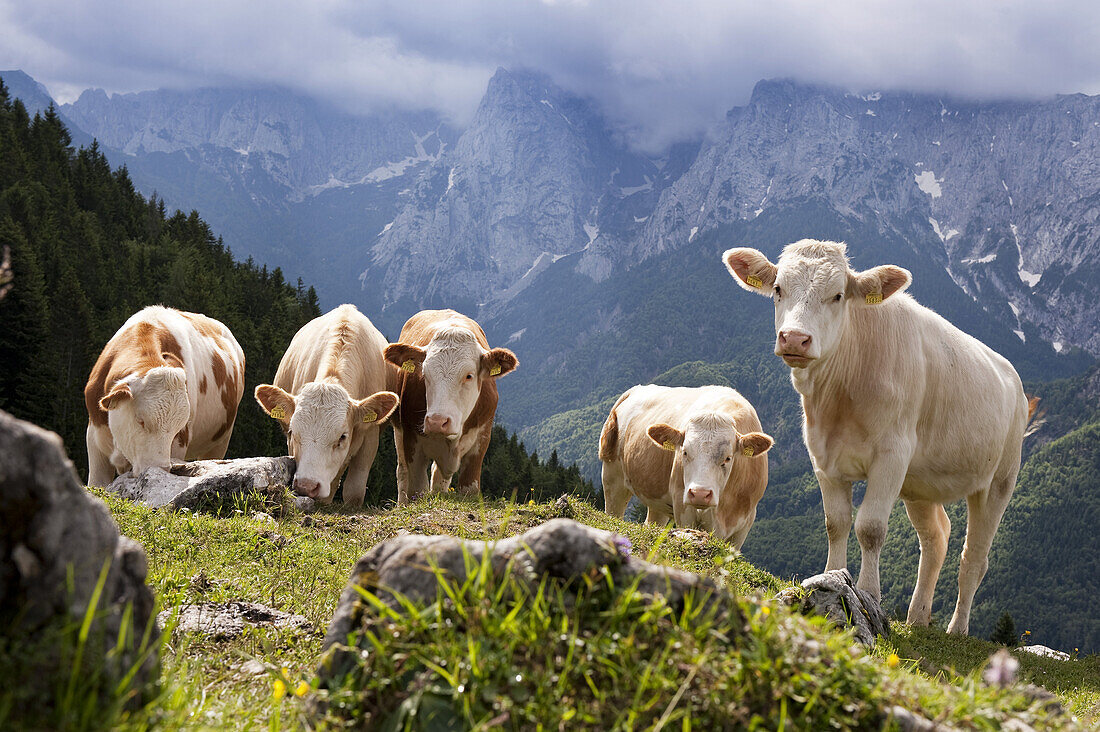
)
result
[(330, 400), (696, 455), (446, 377), (166, 387), (895, 395)]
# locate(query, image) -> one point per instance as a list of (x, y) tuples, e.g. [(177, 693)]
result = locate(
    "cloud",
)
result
[(661, 70)]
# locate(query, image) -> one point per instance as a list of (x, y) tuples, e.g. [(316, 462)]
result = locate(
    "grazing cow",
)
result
[(330, 402), (895, 395), (696, 455), (166, 387), (446, 376)]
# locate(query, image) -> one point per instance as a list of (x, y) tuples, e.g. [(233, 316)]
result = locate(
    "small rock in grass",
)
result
[(1045, 652), (227, 620), (253, 668), (834, 594)]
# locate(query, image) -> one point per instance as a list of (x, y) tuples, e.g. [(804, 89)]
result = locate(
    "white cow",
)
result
[(330, 400), (166, 387), (895, 395), (696, 455)]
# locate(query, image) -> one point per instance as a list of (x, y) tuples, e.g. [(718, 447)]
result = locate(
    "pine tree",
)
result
[(1004, 632)]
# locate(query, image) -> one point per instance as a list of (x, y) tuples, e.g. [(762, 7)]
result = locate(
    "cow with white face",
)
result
[(445, 374), (165, 388), (330, 401), (895, 395), (696, 455)]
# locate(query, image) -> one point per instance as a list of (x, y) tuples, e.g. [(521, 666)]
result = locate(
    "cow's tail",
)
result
[(1036, 417), (609, 438)]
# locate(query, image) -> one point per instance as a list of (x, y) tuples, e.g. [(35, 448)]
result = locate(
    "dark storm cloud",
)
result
[(662, 70)]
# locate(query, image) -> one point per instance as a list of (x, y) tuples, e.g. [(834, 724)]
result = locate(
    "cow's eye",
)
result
[(727, 460), (838, 297), (778, 292), (342, 438), (469, 377)]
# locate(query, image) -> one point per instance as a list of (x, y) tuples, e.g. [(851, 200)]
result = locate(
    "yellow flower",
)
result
[(1027, 632), (301, 689), (892, 660), (280, 689), (765, 611), (530, 503)]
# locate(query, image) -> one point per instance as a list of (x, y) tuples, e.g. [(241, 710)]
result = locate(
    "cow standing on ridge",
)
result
[(895, 395), (446, 377), (330, 400), (696, 455), (166, 387)]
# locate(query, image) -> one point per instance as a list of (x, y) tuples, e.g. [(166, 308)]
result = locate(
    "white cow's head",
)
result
[(320, 425), (814, 291), (707, 449), (145, 413), (453, 366)]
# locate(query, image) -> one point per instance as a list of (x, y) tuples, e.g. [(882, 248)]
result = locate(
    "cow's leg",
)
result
[(469, 472), (100, 470), (983, 514), (418, 476), (836, 498), (440, 483), (657, 516), (407, 485), (355, 482), (616, 493), (933, 529), (884, 481)]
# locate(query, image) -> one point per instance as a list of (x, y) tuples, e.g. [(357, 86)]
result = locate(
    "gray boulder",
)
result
[(55, 542), (561, 549), (212, 483), (834, 594)]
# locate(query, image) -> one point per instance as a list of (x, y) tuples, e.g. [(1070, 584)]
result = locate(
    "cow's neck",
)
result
[(829, 375)]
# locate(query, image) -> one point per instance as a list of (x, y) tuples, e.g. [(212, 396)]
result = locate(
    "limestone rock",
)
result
[(1044, 652), (56, 539), (560, 549), (204, 483), (227, 620), (835, 595)]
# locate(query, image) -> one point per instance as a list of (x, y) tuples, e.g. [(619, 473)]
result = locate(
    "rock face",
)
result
[(227, 620), (835, 595), (561, 549), (55, 534), (205, 483)]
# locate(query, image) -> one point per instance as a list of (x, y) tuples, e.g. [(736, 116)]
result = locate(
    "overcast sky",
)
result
[(660, 69)]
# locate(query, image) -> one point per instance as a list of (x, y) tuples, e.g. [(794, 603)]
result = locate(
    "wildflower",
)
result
[(892, 660), (280, 689), (1027, 632), (531, 502), (301, 689), (623, 545), (1002, 669), (765, 611)]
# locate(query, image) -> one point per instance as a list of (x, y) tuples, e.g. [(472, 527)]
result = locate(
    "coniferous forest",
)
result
[(88, 251)]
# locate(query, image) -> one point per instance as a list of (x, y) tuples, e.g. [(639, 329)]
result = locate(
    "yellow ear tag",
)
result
[(754, 281), (495, 371), (669, 445), (873, 298), (277, 412), (370, 416), (748, 451), (409, 366)]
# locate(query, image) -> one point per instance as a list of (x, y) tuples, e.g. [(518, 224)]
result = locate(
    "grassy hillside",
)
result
[(300, 565)]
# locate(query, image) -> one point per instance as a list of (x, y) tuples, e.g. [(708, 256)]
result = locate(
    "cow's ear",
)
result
[(874, 285), (115, 399), (405, 356), (665, 436), (752, 270), (755, 444), (498, 362), (375, 409), (277, 403)]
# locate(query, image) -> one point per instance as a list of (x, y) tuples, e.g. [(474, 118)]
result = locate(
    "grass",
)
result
[(607, 660)]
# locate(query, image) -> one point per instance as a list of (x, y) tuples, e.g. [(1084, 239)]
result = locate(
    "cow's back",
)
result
[(341, 345)]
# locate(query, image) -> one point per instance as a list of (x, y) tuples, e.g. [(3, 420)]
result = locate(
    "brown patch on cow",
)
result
[(227, 384), (202, 385), (184, 437), (422, 327), (136, 350)]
